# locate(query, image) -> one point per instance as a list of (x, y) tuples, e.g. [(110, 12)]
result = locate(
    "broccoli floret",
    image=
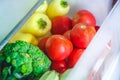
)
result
[(20, 59)]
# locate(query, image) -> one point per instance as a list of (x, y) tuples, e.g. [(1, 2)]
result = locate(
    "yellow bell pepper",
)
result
[(57, 8), (39, 25), (43, 7), (24, 37)]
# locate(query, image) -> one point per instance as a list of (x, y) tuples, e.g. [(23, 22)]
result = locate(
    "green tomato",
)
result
[(43, 7), (57, 8)]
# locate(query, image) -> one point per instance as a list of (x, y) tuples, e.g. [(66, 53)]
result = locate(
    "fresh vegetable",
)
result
[(38, 24), (24, 37), (42, 43), (50, 75), (58, 47), (20, 59), (43, 7), (53, 75), (97, 28), (67, 34), (74, 56), (64, 75), (81, 35), (61, 24), (57, 8), (84, 16), (59, 66)]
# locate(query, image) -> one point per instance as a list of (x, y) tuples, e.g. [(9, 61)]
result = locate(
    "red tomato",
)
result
[(59, 66), (97, 27), (84, 16), (58, 47), (67, 34), (81, 35), (61, 24), (42, 43), (74, 56)]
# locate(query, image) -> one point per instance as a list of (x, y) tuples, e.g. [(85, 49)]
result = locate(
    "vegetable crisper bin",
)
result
[(13, 14), (101, 58)]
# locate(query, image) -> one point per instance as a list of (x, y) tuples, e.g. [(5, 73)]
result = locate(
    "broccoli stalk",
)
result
[(20, 59)]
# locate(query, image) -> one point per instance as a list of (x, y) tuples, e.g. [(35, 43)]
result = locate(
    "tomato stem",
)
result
[(42, 24), (83, 27), (64, 3)]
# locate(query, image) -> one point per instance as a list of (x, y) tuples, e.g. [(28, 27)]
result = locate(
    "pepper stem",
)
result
[(42, 24), (64, 3)]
